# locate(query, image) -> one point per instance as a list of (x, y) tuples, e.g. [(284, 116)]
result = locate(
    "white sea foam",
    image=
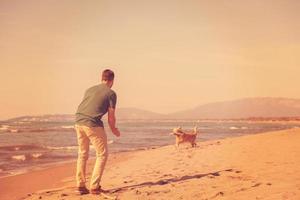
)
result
[(36, 155), (19, 157), (17, 148), (67, 127), (24, 157), (74, 147), (62, 148), (21, 122), (233, 128), (4, 127), (110, 142)]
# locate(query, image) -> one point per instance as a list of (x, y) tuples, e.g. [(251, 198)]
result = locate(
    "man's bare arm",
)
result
[(112, 121)]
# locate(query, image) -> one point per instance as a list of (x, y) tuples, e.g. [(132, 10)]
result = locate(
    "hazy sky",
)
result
[(167, 55)]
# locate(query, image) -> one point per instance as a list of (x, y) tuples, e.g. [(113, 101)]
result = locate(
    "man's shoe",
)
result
[(83, 190), (96, 191)]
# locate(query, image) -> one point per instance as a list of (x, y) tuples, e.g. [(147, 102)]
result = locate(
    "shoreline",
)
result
[(276, 154), (40, 166), (59, 175), (46, 166)]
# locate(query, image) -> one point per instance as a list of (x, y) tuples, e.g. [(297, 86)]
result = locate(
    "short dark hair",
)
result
[(108, 75)]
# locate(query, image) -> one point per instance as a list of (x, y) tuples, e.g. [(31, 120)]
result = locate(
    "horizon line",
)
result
[(146, 110)]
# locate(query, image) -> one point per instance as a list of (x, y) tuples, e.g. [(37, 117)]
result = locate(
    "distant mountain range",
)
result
[(263, 107), (242, 108)]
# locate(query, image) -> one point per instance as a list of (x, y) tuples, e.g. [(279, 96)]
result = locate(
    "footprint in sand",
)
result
[(137, 192), (241, 190), (64, 195), (218, 194), (211, 176), (166, 175), (256, 185), (148, 193), (129, 181), (236, 177), (215, 174)]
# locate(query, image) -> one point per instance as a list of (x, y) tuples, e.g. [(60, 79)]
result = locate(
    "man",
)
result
[(97, 101)]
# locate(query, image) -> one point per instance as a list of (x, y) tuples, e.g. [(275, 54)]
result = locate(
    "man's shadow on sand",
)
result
[(167, 181)]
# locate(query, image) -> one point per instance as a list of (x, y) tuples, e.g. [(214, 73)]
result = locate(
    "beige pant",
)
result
[(97, 136)]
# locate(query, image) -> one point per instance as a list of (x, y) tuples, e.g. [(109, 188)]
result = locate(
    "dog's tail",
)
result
[(195, 130)]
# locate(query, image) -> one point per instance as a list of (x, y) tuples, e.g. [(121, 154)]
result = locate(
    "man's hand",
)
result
[(116, 132), (112, 122)]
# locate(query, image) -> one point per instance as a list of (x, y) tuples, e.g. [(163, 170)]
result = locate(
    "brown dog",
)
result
[(182, 137)]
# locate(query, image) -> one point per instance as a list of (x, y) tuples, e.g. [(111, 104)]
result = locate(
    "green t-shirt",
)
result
[(95, 104)]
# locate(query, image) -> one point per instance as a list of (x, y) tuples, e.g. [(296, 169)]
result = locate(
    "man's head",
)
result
[(108, 77)]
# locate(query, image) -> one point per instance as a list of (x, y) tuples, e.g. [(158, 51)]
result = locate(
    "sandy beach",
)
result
[(261, 166)]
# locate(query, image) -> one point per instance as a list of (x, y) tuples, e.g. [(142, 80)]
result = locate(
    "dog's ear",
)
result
[(179, 129)]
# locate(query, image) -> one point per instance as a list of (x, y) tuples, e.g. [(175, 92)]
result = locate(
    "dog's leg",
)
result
[(177, 145)]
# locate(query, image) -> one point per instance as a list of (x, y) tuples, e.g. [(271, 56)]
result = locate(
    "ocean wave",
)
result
[(36, 155), (37, 147), (26, 157), (62, 148), (233, 128), (4, 127), (67, 127), (110, 142), (236, 128), (204, 128), (21, 147), (20, 129), (19, 157), (74, 147)]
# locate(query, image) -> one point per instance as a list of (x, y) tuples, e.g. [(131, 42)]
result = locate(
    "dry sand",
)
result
[(262, 166)]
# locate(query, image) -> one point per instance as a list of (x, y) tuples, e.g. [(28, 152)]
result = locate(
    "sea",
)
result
[(27, 145)]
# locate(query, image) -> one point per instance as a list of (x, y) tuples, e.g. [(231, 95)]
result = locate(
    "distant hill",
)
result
[(135, 113), (44, 118), (122, 113), (243, 108)]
